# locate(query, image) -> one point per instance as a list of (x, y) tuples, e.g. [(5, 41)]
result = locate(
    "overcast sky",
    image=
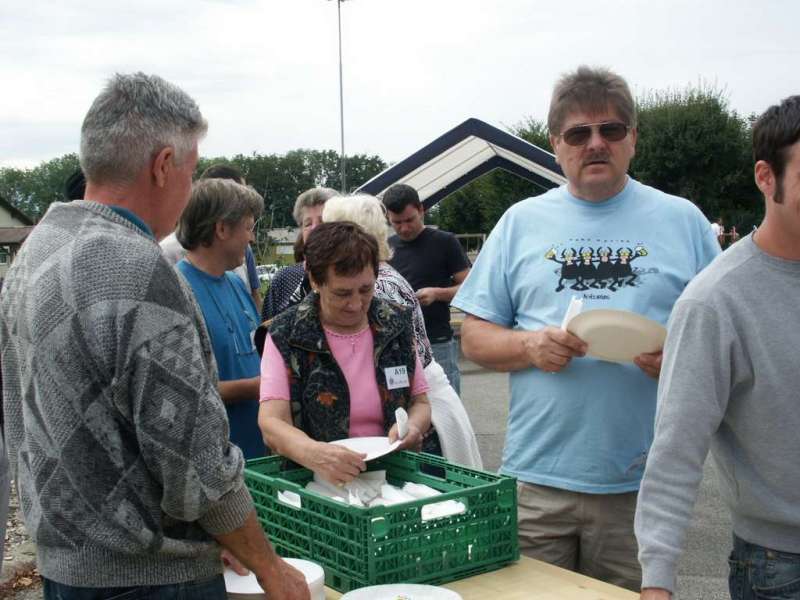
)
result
[(265, 72)]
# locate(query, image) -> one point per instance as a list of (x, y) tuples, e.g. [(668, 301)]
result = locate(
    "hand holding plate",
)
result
[(229, 560), (650, 363), (335, 463), (285, 583), (551, 348), (411, 441)]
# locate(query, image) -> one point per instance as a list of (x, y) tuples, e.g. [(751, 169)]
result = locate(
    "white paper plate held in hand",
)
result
[(617, 335), (402, 591), (373, 447), (247, 588)]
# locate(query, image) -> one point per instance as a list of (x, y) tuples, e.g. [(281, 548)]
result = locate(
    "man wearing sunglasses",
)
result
[(579, 429)]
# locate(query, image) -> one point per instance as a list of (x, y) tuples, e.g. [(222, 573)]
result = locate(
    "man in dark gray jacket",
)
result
[(730, 380), (117, 436)]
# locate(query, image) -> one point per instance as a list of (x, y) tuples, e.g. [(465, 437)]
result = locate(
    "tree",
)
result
[(281, 178), (690, 143), (693, 145), (533, 131), (33, 190)]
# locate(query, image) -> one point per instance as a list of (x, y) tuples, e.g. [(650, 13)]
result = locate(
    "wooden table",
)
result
[(531, 579)]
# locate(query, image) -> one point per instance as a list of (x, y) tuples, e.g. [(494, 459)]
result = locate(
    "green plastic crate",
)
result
[(391, 544)]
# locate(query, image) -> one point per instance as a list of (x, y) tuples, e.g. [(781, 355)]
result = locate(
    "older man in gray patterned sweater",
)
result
[(115, 431), (4, 482)]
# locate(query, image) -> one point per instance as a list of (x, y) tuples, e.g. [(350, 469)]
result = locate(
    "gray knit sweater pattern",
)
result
[(116, 434)]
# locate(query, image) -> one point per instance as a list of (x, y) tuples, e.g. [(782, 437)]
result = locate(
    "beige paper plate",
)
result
[(406, 591), (617, 335)]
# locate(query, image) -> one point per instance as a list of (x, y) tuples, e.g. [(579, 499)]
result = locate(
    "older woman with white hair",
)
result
[(450, 420)]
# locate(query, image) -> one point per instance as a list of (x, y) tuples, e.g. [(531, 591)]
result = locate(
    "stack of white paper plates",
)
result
[(617, 335), (246, 587), (402, 591)]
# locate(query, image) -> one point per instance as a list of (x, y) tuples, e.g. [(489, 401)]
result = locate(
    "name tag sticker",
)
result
[(396, 377)]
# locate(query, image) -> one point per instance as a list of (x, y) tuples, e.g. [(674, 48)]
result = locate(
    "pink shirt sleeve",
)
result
[(420, 383), (274, 377)]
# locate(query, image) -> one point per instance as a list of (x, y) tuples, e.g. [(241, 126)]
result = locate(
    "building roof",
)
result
[(14, 235), (15, 212), (464, 153)]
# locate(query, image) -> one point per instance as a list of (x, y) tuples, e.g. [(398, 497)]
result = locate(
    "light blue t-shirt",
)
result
[(587, 428), (231, 319)]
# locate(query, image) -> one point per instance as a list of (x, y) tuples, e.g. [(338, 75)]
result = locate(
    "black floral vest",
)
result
[(319, 394)]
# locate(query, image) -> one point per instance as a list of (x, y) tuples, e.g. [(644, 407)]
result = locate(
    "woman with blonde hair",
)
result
[(448, 416)]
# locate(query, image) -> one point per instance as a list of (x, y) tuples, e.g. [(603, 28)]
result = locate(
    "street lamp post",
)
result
[(341, 97)]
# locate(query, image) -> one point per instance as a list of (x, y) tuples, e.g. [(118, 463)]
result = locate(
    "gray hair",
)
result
[(212, 201), (365, 211), (592, 90), (313, 197), (133, 119)]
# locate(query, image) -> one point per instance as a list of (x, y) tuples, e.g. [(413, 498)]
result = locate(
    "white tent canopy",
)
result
[(463, 154)]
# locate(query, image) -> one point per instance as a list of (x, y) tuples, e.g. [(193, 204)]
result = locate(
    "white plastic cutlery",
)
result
[(574, 308), (401, 416)]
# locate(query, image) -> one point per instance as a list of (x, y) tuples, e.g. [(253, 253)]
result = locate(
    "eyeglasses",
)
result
[(611, 131)]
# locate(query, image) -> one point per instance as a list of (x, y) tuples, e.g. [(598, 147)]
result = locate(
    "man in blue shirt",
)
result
[(174, 252), (216, 228), (579, 429)]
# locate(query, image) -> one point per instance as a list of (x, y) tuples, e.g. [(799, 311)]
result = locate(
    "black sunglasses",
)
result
[(612, 131)]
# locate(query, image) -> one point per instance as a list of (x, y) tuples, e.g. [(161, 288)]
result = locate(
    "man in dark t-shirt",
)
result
[(434, 263)]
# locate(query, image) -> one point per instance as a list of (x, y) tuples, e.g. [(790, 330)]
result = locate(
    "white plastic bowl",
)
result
[(247, 588)]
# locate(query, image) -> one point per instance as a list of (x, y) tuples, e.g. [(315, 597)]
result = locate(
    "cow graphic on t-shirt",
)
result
[(598, 268)]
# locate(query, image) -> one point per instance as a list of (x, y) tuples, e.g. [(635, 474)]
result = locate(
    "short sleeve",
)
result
[(420, 383), (274, 376), (485, 292), (457, 259)]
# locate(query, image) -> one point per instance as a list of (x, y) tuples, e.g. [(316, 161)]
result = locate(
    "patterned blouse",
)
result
[(392, 286), (287, 289)]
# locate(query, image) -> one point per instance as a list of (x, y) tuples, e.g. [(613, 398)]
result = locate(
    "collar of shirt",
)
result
[(133, 218)]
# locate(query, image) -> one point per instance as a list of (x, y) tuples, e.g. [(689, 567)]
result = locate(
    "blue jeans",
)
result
[(206, 589), (758, 573), (446, 354)]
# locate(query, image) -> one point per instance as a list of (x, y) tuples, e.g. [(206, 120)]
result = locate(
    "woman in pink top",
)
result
[(341, 362)]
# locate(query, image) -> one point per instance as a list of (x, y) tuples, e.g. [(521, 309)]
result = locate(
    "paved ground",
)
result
[(18, 577), (703, 570)]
